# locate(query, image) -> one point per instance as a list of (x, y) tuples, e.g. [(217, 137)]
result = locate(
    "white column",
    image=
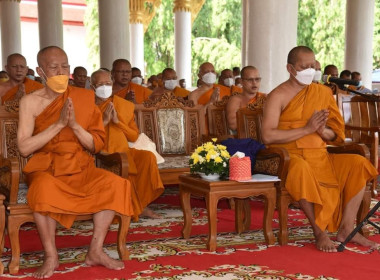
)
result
[(136, 28), (50, 23), (113, 31), (182, 41), (10, 28), (359, 37), (271, 33)]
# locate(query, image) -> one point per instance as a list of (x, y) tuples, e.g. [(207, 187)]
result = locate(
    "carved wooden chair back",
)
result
[(174, 124), (217, 118)]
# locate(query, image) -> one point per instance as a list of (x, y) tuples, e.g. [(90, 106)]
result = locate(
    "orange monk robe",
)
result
[(236, 89), (258, 95), (30, 86), (62, 177), (224, 91), (141, 93), (143, 175), (329, 181), (181, 92)]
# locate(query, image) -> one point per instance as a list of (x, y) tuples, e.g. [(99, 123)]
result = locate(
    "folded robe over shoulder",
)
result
[(143, 171), (30, 86), (329, 181), (62, 177)]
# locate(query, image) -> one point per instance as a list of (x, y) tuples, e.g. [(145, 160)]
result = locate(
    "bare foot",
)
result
[(358, 238), (100, 258), (47, 268), (149, 213), (324, 243)]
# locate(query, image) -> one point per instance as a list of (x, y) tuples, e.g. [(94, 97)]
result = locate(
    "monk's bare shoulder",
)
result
[(34, 103)]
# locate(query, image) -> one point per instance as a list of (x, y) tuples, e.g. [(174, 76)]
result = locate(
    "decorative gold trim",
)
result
[(136, 11), (196, 6), (182, 6), (150, 8)]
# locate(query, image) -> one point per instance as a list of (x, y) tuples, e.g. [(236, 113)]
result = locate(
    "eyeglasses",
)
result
[(123, 71), (251, 80)]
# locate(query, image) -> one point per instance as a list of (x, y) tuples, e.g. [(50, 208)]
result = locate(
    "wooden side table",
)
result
[(212, 191)]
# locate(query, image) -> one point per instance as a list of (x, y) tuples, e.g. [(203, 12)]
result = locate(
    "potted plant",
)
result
[(210, 160)]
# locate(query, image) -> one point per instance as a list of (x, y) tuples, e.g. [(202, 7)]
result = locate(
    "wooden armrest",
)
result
[(9, 178), (281, 153), (114, 159), (359, 149), (361, 128)]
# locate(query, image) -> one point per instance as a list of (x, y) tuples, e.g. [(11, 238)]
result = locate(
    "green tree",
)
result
[(376, 38), (91, 21), (321, 27)]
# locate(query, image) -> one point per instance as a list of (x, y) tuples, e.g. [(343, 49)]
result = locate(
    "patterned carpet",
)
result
[(158, 251)]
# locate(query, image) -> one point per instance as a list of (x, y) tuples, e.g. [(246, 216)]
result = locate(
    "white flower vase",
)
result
[(210, 177)]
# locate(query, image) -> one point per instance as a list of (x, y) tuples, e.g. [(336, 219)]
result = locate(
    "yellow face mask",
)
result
[(58, 83), (2, 80)]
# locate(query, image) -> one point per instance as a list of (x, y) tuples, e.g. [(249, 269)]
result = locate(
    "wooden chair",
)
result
[(275, 161), (217, 119), (362, 123), (13, 187), (176, 126)]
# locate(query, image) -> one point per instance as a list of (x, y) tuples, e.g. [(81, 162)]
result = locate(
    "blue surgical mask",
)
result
[(31, 77), (360, 84)]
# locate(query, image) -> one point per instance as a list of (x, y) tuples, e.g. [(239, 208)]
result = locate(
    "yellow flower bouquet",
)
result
[(210, 158)]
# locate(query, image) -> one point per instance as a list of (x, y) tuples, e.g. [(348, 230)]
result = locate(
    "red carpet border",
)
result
[(158, 251)]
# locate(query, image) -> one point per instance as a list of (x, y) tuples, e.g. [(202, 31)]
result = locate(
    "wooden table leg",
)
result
[(212, 203), (187, 217), (242, 215), (2, 229), (270, 201)]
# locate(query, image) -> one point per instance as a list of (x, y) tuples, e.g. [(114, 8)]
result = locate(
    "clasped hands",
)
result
[(67, 117), (317, 122), (110, 114)]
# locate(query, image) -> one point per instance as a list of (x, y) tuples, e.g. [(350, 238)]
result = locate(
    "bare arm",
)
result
[(272, 111), (27, 142), (232, 107), (84, 137)]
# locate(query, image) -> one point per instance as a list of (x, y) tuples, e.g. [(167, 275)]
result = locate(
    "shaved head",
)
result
[(246, 69), (295, 52), (44, 53), (100, 73), (14, 56), (119, 61)]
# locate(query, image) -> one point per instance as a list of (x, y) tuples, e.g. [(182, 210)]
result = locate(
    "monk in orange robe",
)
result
[(227, 79), (63, 181), (302, 117), (123, 87), (169, 84), (251, 84), (208, 92), (17, 85), (120, 127)]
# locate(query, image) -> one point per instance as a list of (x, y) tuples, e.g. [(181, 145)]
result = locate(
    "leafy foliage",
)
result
[(91, 21), (321, 27)]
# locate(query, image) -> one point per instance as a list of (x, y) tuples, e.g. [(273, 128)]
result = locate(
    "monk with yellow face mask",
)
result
[(18, 84)]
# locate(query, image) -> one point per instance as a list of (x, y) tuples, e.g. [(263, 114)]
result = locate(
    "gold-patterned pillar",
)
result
[(10, 28), (182, 41), (136, 29)]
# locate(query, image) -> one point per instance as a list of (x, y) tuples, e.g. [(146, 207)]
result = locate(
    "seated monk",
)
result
[(136, 76), (123, 87), (331, 70), (227, 79), (60, 132), (251, 84), (170, 83), (17, 85), (303, 117), (120, 127), (208, 92)]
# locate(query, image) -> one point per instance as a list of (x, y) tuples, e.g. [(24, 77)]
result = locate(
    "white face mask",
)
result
[(305, 76), (137, 80), (317, 75), (171, 84), (103, 91), (209, 78), (228, 82)]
